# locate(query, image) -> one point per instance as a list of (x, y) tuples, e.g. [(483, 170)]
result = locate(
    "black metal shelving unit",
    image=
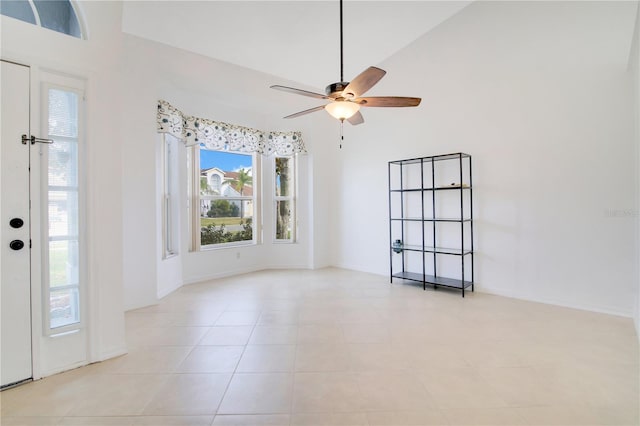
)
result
[(420, 190)]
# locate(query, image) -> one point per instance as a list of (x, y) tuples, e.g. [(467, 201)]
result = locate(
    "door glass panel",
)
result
[(64, 307), (63, 254), (63, 113), (63, 214), (63, 266), (63, 161)]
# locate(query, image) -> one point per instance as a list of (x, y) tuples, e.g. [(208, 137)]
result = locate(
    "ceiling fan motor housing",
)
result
[(337, 88)]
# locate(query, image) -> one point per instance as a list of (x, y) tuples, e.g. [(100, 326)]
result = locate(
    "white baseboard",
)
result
[(58, 370), (360, 268), (608, 310), (112, 354), (214, 276), (209, 277), (167, 291), (276, 267)]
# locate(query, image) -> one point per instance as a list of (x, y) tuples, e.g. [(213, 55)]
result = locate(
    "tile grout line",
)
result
[(235, 369)]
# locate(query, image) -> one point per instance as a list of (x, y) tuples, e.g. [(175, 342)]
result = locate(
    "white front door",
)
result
[(15, 260)]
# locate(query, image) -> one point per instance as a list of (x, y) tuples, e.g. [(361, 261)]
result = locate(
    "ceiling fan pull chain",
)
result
[(341, 132)]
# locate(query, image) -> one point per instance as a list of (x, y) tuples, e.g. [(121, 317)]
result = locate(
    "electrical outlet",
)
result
[(238, 255)]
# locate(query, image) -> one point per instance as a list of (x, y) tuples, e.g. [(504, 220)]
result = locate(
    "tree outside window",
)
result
[(284, 198)]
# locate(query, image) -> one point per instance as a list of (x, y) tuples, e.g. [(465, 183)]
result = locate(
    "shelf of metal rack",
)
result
[(436, 281)]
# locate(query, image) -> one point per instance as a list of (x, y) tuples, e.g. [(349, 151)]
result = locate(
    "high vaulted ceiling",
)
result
[(295, 40)]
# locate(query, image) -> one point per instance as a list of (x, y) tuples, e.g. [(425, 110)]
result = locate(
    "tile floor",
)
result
[(336, 347)]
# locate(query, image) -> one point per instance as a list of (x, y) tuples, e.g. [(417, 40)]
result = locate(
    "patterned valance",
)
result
[(223, 136)]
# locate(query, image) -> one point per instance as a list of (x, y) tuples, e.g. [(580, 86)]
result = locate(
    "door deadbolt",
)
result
[(16, 245), (16, 222)]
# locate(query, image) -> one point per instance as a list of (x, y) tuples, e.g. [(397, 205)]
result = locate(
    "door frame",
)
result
[(42, 350), (68, 347)]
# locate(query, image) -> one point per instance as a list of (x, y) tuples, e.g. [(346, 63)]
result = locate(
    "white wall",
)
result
[(98, 61), (539, 95), (213, 89), (634, 69)]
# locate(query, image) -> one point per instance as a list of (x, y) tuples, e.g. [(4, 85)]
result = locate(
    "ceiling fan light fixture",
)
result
[(346, 97), (342, 110)]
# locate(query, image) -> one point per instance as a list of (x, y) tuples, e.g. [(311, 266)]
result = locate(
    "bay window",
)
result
[(224, 162)]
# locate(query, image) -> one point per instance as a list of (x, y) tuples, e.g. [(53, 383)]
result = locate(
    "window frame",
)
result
[(292, 198), (77, 87), (195, 201), (74, 8), (170, 197)]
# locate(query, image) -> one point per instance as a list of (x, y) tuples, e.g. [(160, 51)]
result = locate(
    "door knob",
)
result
[(16, 222), (16, 245)]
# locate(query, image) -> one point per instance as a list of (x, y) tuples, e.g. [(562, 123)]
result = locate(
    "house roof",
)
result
[(231, 175), (246, 191), (212, 168)]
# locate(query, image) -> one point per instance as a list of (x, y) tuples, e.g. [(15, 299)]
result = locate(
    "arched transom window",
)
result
[(56, 15)]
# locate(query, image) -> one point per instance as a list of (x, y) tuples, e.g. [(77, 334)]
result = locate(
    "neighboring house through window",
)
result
[(226, 197)]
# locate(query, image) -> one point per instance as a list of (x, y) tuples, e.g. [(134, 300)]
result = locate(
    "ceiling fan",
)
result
[(346, 97)]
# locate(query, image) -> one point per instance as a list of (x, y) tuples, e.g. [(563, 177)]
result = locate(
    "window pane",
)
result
[(63, 158), (225, 178), (283, 220), (64, 307), (63, 208), (63, 263), (63, 213), (63, 113), (58, 15), (284, 170), (19, 9)]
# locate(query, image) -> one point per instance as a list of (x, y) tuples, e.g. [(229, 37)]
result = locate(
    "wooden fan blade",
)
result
[(300, 92), (356, 119), (306, 111), (388, 101), (363, 82)]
